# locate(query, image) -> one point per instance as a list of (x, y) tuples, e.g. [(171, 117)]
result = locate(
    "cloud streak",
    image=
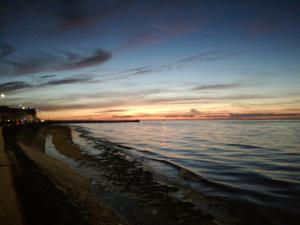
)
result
[(98, 57), (65, 81), (208, 56), (47, 76), (216, 87), (51, 62), (14, 86)]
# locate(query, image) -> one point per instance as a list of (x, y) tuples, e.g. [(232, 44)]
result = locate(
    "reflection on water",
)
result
[(162, 134), (256, 162)]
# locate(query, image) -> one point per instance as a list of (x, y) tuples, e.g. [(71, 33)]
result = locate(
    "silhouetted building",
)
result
[(15, 116)]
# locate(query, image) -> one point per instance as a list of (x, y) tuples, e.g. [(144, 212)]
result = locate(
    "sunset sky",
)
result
[(151, 59)]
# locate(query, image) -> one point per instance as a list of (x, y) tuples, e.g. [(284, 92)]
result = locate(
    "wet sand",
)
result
[(63, 141), (49, 192)]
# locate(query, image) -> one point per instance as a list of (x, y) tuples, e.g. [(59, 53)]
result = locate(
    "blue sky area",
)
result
[(151, 59)]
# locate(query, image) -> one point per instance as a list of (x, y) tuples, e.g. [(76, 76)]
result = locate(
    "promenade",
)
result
[(9, 208)]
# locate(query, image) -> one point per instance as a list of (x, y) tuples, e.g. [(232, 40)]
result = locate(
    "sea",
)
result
[(253, 167)]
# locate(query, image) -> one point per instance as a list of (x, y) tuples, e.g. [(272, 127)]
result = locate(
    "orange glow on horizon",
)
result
[(87, 115)]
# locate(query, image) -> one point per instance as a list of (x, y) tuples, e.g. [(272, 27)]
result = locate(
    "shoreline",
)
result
[(130, 195), (48, 191), (92, 121), (148, 197)]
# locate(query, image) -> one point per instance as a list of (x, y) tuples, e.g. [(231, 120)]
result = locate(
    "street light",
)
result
[(2, 95)]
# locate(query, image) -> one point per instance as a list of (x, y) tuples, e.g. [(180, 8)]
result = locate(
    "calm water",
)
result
[(254, 162)]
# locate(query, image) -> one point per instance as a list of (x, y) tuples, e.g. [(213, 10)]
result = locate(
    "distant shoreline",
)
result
[(93, 121), (138, 120)]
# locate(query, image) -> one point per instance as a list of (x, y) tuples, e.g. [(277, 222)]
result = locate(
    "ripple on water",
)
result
[(255, 162)]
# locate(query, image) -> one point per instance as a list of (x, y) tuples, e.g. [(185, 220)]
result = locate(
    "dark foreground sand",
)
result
[(10, 213), (48, 191)]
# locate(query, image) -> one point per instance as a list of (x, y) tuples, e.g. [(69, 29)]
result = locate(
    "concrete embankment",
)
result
[(10, 213), (47, 190), (36, 189)]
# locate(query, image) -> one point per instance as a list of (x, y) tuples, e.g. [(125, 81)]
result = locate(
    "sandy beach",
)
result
[(63, 141)]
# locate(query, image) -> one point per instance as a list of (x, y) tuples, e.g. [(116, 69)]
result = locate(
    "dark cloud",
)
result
[(14, 86), (130, 73), (138, 71), (216, 87), (47, 76), (98, 57), (143, 71), (208, 56), (135, 70), (51, 62), (66, 81)]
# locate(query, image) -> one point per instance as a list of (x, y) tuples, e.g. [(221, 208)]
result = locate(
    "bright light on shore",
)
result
[(2, 95)]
